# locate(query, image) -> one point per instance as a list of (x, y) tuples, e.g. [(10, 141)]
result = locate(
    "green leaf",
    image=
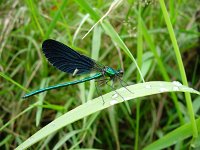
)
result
[(111, 98), (173, 137)]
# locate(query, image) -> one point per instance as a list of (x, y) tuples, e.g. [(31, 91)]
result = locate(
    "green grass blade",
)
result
[(95, 105), (161, 67), (180, 64), (39, 111), (12, 81), (96, 44), (114, 125), (34, 12), (173, 137), (139, 61)]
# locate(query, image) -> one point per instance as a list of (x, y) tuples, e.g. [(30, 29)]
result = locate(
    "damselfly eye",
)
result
[(120, 72)]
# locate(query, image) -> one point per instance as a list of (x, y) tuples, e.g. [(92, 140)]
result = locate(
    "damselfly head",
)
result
[(120, 72)]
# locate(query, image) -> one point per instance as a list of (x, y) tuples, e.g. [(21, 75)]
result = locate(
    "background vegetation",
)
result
[(144, 29)]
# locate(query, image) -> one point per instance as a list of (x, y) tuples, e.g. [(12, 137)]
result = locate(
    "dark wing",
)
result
[(66, 59)]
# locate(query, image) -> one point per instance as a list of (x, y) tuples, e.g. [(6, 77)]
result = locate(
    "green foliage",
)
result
[(161, 36)]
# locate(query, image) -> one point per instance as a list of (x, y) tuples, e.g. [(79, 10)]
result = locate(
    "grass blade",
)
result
[(180, 64), (95, 105)]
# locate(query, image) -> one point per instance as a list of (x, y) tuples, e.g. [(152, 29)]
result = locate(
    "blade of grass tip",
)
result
[(55, 19), (181, 67), (139, 60)]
